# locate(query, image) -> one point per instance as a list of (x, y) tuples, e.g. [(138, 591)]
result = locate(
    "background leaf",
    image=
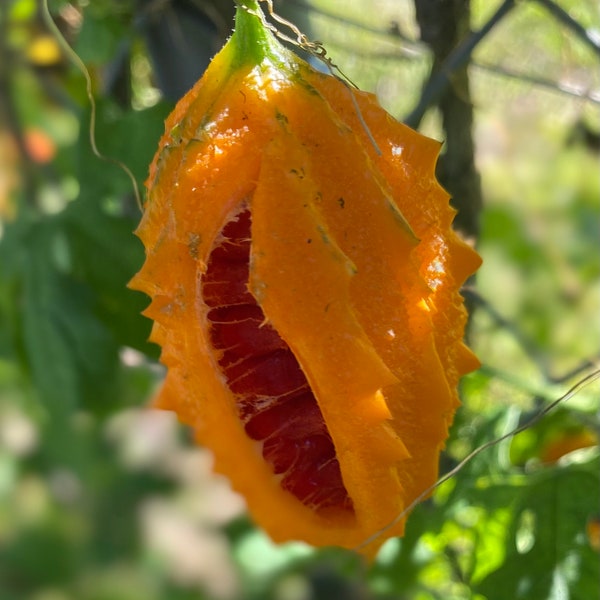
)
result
[(547, 554), (72, 356)]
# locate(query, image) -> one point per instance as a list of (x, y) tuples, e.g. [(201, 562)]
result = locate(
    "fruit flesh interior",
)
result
[(273, 398)]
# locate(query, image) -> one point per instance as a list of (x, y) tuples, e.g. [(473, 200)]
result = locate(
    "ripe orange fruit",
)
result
[(305, 283)]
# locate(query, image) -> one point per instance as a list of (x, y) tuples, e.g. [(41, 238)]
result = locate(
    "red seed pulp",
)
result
[(273, 397)]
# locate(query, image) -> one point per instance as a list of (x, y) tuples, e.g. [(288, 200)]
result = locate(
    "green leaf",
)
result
[(72, 356), (105, 255), (546, 551), (99, 37), (9, 313), (42, 555)]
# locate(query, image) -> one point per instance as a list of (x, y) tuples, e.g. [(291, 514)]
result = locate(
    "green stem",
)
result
[(254, 42)]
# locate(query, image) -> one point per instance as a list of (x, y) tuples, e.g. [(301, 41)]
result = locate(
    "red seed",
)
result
[(274, 399)]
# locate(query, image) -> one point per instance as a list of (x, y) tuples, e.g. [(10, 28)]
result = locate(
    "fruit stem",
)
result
[(254, 42)]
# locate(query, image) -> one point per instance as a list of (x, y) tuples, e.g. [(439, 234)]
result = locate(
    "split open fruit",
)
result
[(305, 282)]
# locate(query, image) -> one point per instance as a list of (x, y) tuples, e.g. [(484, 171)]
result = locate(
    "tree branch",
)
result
[(444, 24), (564, 17), (457, 59)]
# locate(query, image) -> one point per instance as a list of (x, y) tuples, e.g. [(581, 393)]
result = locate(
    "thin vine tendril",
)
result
[(76, 60), (575, 389)]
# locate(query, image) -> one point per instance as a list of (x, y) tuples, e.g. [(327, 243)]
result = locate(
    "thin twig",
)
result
[(575, 371), (409, 49), (402, 54), (459, 57), (549, 84), (527, 344), (561, 15), (501, 321), (392, 32)]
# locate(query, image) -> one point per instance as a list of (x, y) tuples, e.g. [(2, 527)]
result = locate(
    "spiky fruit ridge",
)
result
[(305, 283)]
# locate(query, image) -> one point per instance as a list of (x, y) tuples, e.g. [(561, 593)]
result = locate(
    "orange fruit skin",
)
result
[(370, 307), (567, 442)]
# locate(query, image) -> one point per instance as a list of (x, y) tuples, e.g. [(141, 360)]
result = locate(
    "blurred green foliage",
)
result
[(103, 500)]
